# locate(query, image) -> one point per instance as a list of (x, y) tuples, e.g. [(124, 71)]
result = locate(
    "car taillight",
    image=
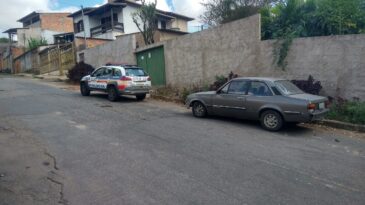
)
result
[(125, 78), (312, 107), (149, 78)]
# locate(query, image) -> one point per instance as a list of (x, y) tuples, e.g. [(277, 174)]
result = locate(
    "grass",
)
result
[(352, 112)]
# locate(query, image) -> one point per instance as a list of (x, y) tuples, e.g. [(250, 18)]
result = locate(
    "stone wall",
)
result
[(197, 58), (337, 61)]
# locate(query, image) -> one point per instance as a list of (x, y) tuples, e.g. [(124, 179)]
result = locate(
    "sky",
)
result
[(13, 10)]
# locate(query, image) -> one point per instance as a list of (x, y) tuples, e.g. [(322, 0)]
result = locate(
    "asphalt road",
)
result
[(152, 152)]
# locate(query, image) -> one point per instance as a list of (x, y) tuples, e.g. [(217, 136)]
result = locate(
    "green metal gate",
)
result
[(153, 62)]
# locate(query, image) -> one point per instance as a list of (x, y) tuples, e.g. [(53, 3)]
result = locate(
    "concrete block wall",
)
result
[(197, 58), (337, 61), (119, 51)]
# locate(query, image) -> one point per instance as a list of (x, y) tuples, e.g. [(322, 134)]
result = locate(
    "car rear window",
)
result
[(287, 87), (135, 72)]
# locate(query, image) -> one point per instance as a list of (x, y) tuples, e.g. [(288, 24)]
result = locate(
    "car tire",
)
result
[(113, 94), (84, 89), (271, 120), (199, 110), (141, 97)]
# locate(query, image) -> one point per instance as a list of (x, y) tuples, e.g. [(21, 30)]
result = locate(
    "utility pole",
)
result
[(10, 53), (83, 25)]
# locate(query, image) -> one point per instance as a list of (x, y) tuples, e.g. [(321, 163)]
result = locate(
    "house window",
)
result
[(163, 25), (108, 19), (35, 19), (27, 23), (79, 26)]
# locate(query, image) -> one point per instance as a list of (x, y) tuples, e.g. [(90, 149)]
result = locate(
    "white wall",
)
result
[(24, 35), (86, 26), (129, 25)]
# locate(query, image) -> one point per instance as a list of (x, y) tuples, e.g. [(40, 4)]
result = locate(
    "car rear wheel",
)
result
[(85, 91), (271, 120), (199, 110), (113, 94), (141, 97)]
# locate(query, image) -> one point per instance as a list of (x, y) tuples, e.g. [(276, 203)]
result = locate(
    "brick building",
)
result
[(42, 25)]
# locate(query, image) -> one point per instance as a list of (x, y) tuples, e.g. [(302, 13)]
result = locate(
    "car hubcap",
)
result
[(199, 110), (271, 121)]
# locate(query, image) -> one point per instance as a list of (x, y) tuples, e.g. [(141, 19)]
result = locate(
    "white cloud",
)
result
[(191, 8), (16, 9)]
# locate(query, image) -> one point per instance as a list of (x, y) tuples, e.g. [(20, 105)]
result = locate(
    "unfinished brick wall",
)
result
[(91, 42), (57, 22)]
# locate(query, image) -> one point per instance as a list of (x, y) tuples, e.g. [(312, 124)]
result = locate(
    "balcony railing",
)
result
[(104, 28)]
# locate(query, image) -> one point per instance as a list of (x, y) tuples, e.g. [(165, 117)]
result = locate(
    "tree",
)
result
[(145, 19), (313, 18), (35, 43), (341, 16), (224, 11), (4, 40), (289, 19)]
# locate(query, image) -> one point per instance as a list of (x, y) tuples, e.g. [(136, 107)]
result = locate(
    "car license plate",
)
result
[(321, 106)]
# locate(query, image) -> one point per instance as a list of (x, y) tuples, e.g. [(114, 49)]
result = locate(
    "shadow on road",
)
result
[(122, 99), (289, 130)]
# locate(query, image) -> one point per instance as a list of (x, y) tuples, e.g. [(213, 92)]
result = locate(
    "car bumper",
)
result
[(134, 91), (318, 115), (306, 117)]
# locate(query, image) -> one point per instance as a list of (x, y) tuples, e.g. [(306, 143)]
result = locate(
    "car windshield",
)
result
[(135, 72), (287, 87)]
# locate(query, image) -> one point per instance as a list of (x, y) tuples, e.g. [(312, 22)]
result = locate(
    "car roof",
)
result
[(271, 79), (121, 66)]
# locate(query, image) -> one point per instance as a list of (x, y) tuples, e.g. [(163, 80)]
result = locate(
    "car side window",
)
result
[(116, 73), (238, 87), (225, 89), (259, 89), (99, 72), (108, 72)]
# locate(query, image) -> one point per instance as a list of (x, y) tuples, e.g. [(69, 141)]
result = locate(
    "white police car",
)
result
[(117, 80)]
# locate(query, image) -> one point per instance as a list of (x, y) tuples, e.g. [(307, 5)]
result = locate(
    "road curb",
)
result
[(343, 125)]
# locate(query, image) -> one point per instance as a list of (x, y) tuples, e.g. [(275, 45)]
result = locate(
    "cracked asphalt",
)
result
[(57, 147)]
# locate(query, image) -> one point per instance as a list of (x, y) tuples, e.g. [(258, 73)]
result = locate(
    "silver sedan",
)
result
[(272, 101)]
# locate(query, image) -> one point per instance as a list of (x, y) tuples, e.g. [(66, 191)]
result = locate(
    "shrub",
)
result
[(309, 86), (221, 80), (183, 94), (347, 111), (79, 70)]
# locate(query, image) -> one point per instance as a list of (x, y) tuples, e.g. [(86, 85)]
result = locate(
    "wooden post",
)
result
[(60, 60), (112, 18), (49, 62)]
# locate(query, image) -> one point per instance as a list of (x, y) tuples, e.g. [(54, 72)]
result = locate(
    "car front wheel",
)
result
[(271, 120), (199, 110), (85, 91)]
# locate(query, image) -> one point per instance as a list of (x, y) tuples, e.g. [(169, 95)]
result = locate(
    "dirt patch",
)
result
[(323, 128)]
